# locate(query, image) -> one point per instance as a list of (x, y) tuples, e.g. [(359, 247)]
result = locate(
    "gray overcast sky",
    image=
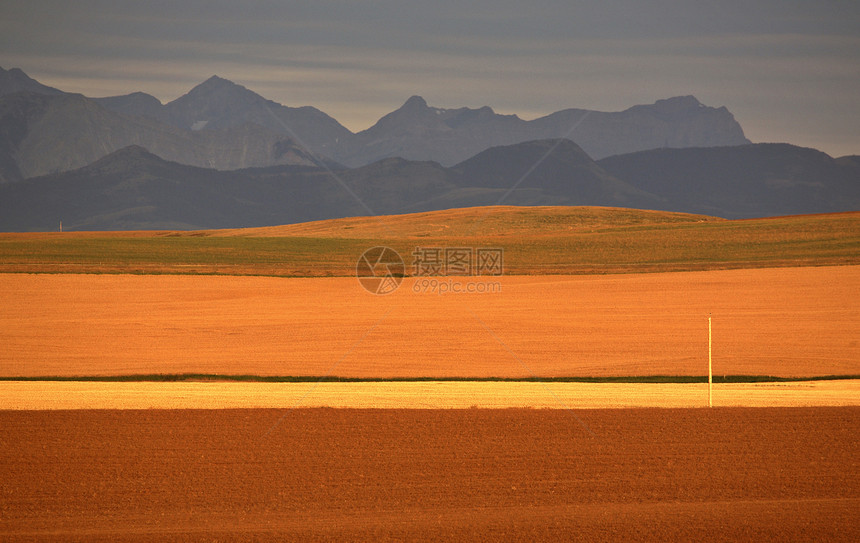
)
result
[(788, 70)]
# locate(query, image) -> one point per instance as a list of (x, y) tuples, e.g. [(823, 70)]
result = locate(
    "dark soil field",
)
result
[(723, 474)]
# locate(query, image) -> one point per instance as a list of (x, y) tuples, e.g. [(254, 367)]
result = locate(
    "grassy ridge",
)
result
[(541, 241), (183, 377)]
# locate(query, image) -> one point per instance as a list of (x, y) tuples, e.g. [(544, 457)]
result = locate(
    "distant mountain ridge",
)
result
[(560, 169), (222, 125), (135, 189), (417, 131), (765, 179), (41, 134)]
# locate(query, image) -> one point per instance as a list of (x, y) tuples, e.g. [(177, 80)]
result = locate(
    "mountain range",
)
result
[(222, 156), (417, 131), (134, 189), (222, 125)]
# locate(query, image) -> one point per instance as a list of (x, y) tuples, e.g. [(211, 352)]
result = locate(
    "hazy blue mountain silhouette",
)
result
[(763, 179), (227, 126), (417, 131), (42, 133), (134, 189)]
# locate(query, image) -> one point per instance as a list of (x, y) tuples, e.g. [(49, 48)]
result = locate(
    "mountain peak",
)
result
[(414, 103), (215, 84), (217, 80), (679, 107), (131, 152), (132, 157), (217, 89), (15, 80), (688, 101), (532, 152), (414, 115), (213, 99)]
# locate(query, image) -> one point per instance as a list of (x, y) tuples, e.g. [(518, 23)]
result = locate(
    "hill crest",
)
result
[(485, 221)]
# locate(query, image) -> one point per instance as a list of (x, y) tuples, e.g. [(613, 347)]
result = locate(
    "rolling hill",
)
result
[(472, 222), (534, 240)]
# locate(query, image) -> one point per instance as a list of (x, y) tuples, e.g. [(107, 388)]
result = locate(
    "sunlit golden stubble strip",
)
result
[(419, 395)]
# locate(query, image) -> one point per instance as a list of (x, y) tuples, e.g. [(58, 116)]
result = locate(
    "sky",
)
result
[(789, 71)]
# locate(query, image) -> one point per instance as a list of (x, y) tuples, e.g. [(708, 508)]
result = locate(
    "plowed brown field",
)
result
[(724, 474), (783, 322)]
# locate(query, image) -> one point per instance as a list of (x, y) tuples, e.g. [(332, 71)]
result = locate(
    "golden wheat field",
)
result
[(16, 395), (780, 322)]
